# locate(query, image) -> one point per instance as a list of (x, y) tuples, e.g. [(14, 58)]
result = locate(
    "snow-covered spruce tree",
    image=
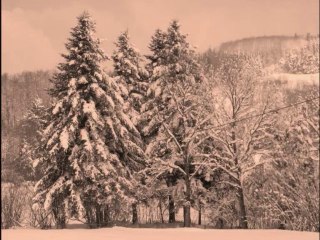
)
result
[(150, 124), (179, 115), (130, 73), (92, 144), (239, 145)]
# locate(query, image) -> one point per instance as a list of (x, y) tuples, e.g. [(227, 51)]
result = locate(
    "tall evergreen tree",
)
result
[(130, 73), (92, 144), (150, 124), (178, 113)]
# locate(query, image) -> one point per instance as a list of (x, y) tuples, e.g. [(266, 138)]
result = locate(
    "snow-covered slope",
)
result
[(121, 233)]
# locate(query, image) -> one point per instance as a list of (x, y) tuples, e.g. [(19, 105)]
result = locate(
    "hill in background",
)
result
[(271, 48)]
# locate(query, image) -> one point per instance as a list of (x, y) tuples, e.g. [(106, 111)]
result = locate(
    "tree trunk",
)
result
[(160, 208), (88, 215), (59, 215), (106, 216), (199, 215), (134, 213), (171, 207), (187, 204), (172, 213), (61, 222), (187, 216), (98, 217), (243, 214)]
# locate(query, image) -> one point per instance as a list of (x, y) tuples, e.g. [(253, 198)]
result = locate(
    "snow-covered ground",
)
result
[(295, 80), (121, 233)]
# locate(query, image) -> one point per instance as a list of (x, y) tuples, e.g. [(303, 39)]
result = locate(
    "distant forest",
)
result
[(18, 91), (269, 48)]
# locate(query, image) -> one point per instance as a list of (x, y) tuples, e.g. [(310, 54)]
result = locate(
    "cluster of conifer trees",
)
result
[(161, 127)]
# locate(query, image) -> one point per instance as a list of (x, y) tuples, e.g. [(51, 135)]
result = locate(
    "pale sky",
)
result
[(34, 31)]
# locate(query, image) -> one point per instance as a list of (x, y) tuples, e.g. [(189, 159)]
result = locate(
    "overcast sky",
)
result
[(34, 31)]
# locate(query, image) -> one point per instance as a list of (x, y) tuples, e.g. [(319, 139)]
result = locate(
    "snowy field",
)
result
[(121, 233), (296, 80)]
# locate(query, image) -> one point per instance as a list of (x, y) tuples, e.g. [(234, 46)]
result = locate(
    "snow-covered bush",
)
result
[(13, 205), (17, 209), (39, 217), (285, 192)]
